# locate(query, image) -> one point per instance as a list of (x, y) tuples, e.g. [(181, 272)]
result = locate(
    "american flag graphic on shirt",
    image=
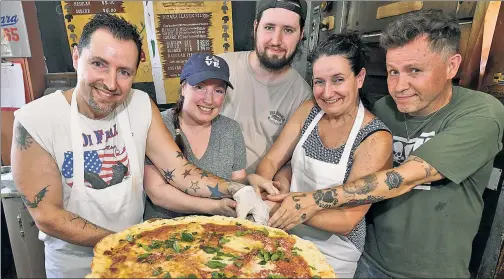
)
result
[(100, 166)]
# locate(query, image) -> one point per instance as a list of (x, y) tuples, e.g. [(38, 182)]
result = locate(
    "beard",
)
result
[(102, 109), (274, 63)]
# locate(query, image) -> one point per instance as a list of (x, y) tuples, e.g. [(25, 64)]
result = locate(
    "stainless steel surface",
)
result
[(362, 14), (5, 169), (27, 249)]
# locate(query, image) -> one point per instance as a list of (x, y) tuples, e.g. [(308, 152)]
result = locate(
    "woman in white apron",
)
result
[(331, 140)]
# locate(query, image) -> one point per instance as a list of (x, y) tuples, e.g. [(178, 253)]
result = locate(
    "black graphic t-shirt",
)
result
[(428, 231)]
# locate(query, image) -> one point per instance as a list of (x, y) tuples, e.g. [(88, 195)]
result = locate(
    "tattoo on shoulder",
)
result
[(367, 200), (23, 138), (38, 198), (325, 198), (370, 182), (393, 180), (85, 222)]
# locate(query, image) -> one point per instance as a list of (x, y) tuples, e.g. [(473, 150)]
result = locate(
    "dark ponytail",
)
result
[(176, 122), (348, 44)]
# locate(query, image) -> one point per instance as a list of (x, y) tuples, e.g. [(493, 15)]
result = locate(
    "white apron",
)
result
[(307, 172), (114, 208)]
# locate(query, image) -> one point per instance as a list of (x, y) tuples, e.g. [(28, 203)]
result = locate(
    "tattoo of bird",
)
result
[(38, 198)]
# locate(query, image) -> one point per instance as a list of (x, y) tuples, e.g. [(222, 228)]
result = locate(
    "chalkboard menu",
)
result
[(182, 35), (185, 28)]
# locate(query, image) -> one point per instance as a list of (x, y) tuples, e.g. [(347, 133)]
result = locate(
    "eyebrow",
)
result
[(284, 25), (106, 63)]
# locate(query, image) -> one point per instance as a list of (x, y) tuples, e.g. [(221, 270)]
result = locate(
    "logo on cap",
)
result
[(212, 60)]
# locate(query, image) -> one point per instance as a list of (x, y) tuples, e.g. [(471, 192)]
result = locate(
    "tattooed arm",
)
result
[(369, 189), (166, 196), (170, 161), (373, 154), (38, 179)]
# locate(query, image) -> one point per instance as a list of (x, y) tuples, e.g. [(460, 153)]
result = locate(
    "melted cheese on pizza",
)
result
[(206, 250)]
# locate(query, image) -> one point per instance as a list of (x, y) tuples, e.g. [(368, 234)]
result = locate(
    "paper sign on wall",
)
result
[(13, 90), (14, 35), (185, 28), (78, 13)]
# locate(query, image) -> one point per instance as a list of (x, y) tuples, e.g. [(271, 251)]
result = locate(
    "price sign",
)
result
[(14, 35)]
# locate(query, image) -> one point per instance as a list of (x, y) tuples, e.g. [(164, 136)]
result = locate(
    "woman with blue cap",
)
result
[(212, 142)]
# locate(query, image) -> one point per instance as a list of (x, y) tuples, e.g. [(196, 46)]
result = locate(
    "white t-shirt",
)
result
[(261, 109), (106, 162)]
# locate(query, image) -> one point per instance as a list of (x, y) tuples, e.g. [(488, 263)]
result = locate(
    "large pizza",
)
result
[(206, 247)]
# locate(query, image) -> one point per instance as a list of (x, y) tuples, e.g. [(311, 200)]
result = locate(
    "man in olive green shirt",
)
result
[(428, 207)]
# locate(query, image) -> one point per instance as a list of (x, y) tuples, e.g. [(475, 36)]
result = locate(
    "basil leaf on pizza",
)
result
[(206, 247)]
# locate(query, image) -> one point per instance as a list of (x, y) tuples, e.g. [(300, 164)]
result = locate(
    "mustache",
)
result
[(103, 87)]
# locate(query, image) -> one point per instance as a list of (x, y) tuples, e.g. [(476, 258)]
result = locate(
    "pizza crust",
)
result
[(308, 250)]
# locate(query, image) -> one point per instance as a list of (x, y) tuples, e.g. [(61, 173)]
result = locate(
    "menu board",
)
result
[(185, 28), (78, 13)]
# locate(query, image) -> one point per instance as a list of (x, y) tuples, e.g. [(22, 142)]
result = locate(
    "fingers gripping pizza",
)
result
[(206, 247)]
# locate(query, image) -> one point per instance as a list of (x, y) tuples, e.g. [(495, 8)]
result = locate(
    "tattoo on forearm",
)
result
[(234, 187), (85, 222), (168, 175), (303, 217), (214, 192), (38, 198), (194, 186), (393, 180), (204, 174), (367, 200), (23, 138), (325, 198), (187, 173), (180, 155), (370, 183), (414, 158), (296, 198)]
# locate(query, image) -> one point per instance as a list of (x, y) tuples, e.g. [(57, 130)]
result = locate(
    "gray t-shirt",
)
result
[(428, 232), (262, 109), (224, 155)]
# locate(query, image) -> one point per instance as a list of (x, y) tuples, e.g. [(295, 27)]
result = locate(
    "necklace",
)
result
[(408, 135)]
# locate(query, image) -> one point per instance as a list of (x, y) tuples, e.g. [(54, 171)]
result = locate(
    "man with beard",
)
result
[(78, 155), (267, 90)]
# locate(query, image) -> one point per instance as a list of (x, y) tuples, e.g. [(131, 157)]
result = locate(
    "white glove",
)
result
[(248, 202)]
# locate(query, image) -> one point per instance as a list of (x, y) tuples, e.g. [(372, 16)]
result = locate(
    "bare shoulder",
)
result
[(304, 109)]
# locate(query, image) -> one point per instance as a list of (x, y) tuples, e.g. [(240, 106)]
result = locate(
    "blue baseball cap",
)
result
[(203, 66)]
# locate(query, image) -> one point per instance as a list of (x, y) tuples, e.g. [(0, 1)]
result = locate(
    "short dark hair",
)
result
[(119, 27), (347, 44), (301, 19), (442, 30)]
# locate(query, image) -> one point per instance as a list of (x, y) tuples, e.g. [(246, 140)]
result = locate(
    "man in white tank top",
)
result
[(267, 90), (78, 155)]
